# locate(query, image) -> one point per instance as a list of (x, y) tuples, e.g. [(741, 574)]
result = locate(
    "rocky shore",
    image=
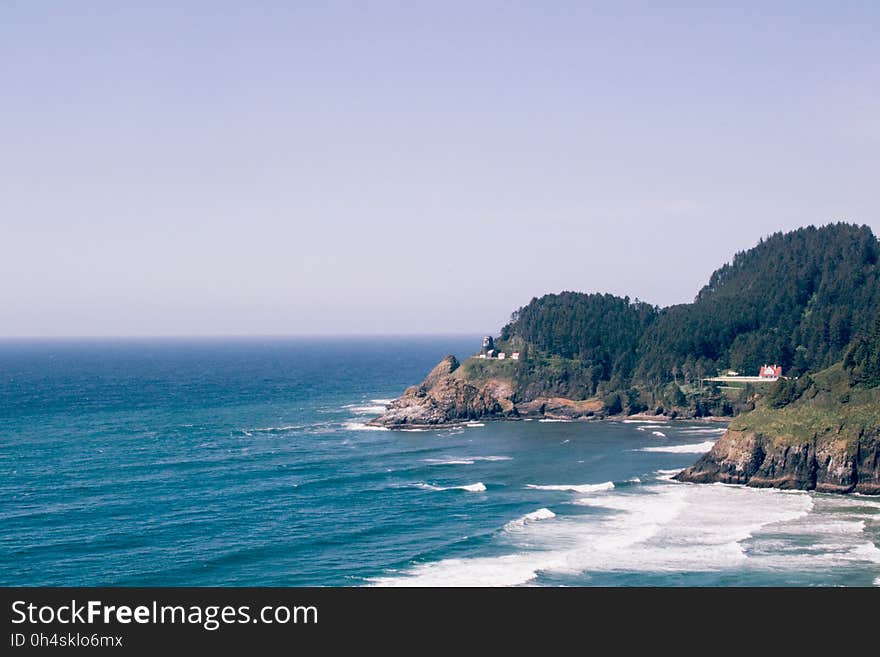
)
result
[(827, 464), (807, 446), (446, 397)]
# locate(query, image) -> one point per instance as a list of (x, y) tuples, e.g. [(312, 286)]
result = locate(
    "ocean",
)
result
[(247, 462)]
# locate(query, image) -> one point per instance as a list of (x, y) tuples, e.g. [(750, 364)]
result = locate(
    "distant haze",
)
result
[(210, 168)]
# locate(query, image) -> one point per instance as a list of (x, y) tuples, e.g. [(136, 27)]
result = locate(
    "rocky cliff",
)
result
[(449, 396), (828, 440), (443, 398), (830, 464)]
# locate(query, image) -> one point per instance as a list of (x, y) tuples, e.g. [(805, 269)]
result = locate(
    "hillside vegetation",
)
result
[(819, 432), (797, 299), (829, 405)]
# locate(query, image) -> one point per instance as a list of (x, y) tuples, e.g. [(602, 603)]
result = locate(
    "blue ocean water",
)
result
[(247, 462)]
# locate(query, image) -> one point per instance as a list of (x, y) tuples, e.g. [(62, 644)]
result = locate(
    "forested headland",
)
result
[(796, 299)]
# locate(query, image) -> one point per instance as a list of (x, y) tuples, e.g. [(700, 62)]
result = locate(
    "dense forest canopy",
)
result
[(796, 299), (862, 360), (594, 328)]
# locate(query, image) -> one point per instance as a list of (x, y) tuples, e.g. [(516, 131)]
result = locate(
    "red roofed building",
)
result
[(770, 372)]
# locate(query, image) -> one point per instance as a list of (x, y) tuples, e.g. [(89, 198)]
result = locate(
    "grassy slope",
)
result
[(479, 371), (831, 409)]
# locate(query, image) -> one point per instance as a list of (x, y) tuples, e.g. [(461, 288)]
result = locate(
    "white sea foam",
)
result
[(475, 424), (465, 460), (551, 419), (866, 552), (384, 402), (575, 488), (877, 582), (478, 487), (698, 448), (663, 421), (634, 480), (534, 516), (665, 528), (667, 475), (365, 409), (701, 430), (826, 539), (508, 570), (658, 433), (362, 426)]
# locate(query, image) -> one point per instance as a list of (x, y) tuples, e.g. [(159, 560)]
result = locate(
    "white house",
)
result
[(515, 355), (501, 355)]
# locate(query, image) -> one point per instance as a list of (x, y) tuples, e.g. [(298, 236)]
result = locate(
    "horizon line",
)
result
[(226, 336)]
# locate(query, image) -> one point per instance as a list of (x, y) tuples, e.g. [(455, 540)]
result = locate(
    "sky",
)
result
[(234, 168)]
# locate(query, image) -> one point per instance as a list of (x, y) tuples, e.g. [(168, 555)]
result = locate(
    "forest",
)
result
[(803, 299)]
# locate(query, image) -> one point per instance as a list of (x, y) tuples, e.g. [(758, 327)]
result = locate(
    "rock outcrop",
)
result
[(831, 464), (446, 397), (560, 408), (443, 399)]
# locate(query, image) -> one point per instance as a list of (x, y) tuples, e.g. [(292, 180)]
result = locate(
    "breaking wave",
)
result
[(701, 430), (365, 409), (575, 488), (534, 516), (698, 448), (667, 475), (362, 426), (667, 528), (478, 487), (465, 460)]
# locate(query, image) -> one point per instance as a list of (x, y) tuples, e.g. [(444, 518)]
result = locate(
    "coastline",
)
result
[(622, 419), (448, 397), (645, 417)]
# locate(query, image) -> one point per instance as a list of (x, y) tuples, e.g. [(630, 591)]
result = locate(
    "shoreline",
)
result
[(549, 419)]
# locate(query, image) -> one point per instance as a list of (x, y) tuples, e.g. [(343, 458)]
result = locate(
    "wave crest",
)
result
[(698, 448), (478, 487), (541, 514), (574, 488)]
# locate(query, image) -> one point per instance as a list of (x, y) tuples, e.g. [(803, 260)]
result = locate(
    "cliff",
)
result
[(828, 440), (444, 398), (452, 394), (827, 465)]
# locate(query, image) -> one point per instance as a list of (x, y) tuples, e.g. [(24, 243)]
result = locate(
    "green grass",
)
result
[(831, 409), (480, 370)]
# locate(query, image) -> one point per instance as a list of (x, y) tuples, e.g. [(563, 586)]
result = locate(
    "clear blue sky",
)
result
[(371, 167)]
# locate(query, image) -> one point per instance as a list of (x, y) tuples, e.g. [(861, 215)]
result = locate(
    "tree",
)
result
[(862, 359)]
